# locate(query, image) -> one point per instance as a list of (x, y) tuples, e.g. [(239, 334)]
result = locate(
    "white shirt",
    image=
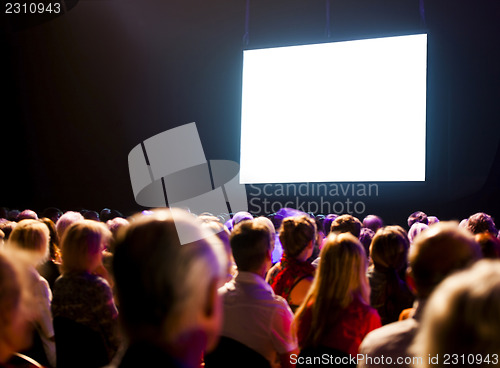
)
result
[(256, 317), (43, 323)]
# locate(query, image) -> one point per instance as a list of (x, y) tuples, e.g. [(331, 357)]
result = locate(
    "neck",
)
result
[(189, 347), (5, 352)]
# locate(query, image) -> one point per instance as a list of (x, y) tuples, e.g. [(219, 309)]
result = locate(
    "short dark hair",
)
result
[(346, 224), (481, 222), (250, 242)]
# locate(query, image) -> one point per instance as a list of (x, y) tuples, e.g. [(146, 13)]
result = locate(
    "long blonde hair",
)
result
[(340, 278)]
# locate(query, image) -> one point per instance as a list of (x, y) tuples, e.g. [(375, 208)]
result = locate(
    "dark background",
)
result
[(82, 89)]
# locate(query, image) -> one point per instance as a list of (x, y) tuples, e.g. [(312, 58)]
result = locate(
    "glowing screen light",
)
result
[(341, 111)]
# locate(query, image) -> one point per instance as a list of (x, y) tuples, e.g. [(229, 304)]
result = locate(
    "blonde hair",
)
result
[(296, 233), (82, 245), (461, 317), (340, 278), (33, 237)]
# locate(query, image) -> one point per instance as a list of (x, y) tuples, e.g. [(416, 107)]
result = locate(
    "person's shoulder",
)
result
[(392, 336)]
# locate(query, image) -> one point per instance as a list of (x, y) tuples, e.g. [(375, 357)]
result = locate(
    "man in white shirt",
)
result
[(253, 314)]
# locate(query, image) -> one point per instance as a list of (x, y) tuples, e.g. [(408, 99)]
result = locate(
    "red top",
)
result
[(355, 322)]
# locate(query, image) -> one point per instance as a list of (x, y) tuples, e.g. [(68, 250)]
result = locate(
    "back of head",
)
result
[(481, 222), (82, 245), (439, 251), (327, 222), (66, 220), (365, 237), (162, 285), (241, 216), (296, 233), (416, 229), (490, 245), (251, 244), (27, 215), (52, 213), (346, 224), (342, 269), (417, 216), (389, 249), (31, 236), (462, 317), (373, 222), (90, 215)]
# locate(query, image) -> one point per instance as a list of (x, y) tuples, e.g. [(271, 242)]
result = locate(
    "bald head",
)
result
[(439, 251)]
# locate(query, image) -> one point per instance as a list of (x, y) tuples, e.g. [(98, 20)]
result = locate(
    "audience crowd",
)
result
[(168, 288)]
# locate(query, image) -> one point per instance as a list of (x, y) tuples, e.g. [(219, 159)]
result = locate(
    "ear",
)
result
[(211, 300)]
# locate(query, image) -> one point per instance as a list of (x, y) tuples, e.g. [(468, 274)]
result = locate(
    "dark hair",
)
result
[(346, 224), (295, 233), (481, 222), (250, 242), (389, 249)]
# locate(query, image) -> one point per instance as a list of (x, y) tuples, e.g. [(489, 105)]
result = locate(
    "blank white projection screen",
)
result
[(342, 111)]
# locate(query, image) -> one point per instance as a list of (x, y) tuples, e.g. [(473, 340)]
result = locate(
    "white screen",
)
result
[(342, 111)]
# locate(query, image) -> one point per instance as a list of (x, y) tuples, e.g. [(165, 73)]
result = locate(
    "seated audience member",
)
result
[(12, 214), (27, 215), (167, 291), (7, 227), (346, 224), (90, 215), (214, 225), (461, 320), (490, 245), (436, 253), (253, 314), (327, 222), (83, 300), (336, 313), (389, 293), (15, 314), (416, 229), (107, 214), (343, 224), (32, 238), (275, 243), (52, 213), (50, 268), (66, 220), (236, 218), (481, 222), (432, 220), (114, 225), (463, 224), (418, 216), (365, 237), (373, 222), (292, 277)]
